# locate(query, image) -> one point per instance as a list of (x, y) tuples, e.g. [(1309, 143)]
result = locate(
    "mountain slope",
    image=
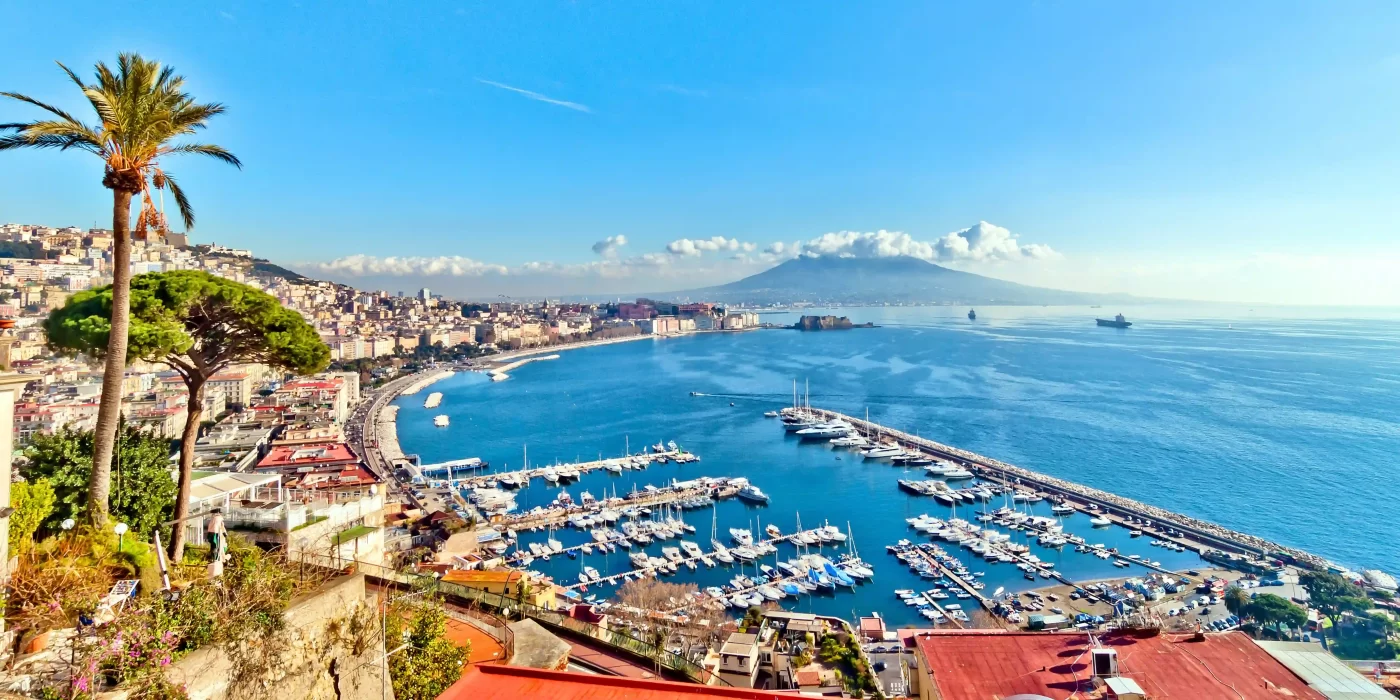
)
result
[(906, 280)]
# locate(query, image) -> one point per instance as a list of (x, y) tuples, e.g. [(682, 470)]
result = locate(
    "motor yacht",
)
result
[(881, 452), (753, 494)]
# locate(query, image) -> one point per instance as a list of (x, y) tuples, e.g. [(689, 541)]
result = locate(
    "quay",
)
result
[(500, 372), (1197, 534), (522, 477)]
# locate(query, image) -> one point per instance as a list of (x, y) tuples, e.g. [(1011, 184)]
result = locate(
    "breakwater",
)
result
[(425, 380), (1208, 532)]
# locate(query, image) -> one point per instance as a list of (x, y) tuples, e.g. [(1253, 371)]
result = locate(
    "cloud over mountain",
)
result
[(983, 242), (698, 259)]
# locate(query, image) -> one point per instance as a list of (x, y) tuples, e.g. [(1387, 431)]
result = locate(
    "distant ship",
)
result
[(1117, 322), (972, 314)]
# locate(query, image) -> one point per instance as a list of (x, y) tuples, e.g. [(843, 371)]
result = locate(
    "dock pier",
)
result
[(558, 515), (1196, 534), (524, 476)]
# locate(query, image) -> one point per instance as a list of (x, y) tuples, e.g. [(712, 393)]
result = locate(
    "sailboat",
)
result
[(721, 552)]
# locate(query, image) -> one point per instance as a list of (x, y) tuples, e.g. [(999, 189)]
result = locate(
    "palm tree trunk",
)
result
[(195, 410), (110, 408)]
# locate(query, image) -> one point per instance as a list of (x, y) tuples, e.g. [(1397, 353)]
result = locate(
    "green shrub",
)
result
[(33, 503)]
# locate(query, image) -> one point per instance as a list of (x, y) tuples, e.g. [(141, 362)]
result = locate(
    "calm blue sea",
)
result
[(1278, 424)]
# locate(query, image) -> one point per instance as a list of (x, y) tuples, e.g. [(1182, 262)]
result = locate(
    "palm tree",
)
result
[(141, 109)]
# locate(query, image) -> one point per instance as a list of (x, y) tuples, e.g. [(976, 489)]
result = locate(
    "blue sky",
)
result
[(1234, 150)]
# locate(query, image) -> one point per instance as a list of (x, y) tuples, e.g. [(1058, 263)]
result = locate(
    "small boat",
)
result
[(440, 421), (768, 414), (1100, 521)]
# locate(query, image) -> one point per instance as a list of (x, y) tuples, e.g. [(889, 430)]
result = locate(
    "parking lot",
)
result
[(886, 664)]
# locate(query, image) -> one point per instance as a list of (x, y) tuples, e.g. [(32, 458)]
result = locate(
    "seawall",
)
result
[(1211, 533)]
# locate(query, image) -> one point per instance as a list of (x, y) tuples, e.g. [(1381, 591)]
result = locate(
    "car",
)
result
[(1204, 611), (1214, 599), (879, 666), (1173, 612)]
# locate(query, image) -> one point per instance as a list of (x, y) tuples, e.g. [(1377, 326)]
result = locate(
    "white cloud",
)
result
[(983, 242), (608, 246), (536, 96), (454, 265), (692, 247)]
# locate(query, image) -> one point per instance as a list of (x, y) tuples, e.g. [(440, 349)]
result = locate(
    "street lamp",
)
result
[(120, 529)]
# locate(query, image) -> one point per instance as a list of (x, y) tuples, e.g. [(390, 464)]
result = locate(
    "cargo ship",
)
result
[(1117, 322)]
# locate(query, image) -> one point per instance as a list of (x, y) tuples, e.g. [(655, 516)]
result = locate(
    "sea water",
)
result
[(1284, 425)]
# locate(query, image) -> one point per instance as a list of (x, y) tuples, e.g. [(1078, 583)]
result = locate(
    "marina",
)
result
[(813, 475)]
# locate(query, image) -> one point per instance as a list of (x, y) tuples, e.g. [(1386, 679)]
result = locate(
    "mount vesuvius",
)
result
[(906, 280)]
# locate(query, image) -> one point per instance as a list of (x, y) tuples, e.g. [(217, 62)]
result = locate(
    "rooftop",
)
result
[(509, 683), (1324, 672), (739, 644), (481, 576), (219, 484), (307, 454), (982, 666)]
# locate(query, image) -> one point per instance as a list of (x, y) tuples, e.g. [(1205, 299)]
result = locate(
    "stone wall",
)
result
[(330, 649)]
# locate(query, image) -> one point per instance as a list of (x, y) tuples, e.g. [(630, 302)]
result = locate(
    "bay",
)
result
[(1274, 422)]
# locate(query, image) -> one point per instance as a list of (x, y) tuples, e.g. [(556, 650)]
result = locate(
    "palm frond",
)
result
[(46, 107), (181, 201), (195, 116), (60, 142), (206, 149), (95, 97)]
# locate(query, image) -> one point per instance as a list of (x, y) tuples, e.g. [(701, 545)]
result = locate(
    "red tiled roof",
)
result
[(307, 454), (511, 683), (981, 666), (333, 478)]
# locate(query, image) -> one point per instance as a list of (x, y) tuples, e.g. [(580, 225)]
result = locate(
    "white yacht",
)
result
[(849, 441), (753, 493), (741, 536), (881, 452), (826, 431)]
